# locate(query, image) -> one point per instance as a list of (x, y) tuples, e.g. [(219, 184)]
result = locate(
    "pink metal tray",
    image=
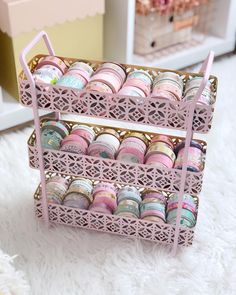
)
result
[(136, 228), (149, 111), (115, 171)]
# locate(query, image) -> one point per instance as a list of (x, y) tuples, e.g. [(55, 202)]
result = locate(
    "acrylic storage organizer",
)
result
[(162, 24), (189, 117)]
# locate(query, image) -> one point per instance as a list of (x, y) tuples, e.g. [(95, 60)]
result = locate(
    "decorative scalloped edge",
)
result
[(11, 13)]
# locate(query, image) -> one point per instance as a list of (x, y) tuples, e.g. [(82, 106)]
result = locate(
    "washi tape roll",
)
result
[(195, 161), (98, 87), (84, 131), (55, 189), (109, 136), (74, 144), (47, 74), (187, 219), (129, 193), (101, 150), (72, 79), (117, 68), (53, 61), (79, 65)]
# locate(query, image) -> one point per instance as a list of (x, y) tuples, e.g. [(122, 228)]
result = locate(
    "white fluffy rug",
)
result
[(66, 261)]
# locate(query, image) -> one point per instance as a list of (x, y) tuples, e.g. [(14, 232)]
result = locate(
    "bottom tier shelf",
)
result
[(134, 228)]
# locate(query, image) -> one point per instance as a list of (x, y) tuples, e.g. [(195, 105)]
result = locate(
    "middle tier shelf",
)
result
[(140, 175)]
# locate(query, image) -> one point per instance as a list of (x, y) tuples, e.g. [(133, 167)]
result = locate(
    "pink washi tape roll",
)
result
[(78, 65), (159, 160), (98, 87), (100, 208), (109, 79), (157, 93), (54, 61), (101, 150), (84, 131), (132, 91), (134, 82), (105, 198), (105, 187), (131, 155), (109, 136), (117, 68), (78, 73), (74, 143)]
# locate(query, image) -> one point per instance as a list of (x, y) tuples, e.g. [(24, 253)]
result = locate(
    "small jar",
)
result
[(56, 188), (133, 148), (128, 208), (104, 195), (74, 144), (169, 82), (84, 131), (195, 161), (79, 193), (52, 61), (150, 207), (129, 193), (52, 133)]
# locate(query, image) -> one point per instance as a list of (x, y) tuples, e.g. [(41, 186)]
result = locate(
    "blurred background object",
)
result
[(75, 28), (168, 33)]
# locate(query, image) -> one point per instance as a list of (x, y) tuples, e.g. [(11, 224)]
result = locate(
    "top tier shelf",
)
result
[(147, 111)]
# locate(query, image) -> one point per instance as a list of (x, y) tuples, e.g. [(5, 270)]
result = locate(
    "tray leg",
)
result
[(36, 114), (205, 70)]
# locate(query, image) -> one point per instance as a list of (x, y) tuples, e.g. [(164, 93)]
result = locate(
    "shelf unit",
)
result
[(190, 117), (119, 37)]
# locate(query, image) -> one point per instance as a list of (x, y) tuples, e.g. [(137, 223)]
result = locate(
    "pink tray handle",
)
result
[(205, 69), (27, 49), (31, 81)]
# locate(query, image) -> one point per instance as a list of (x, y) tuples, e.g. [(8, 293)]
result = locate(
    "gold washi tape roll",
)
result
[(161, 148)]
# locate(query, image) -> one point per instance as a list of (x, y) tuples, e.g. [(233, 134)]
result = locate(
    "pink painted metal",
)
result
[(206, 68), (148, 111), (158, 111), (133, 228), (140, 175), (32, 89)]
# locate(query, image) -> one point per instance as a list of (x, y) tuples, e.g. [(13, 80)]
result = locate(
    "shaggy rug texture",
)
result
[(66, 261)]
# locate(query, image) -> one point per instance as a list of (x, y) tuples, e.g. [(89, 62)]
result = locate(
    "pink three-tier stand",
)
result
[(190, 117)]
